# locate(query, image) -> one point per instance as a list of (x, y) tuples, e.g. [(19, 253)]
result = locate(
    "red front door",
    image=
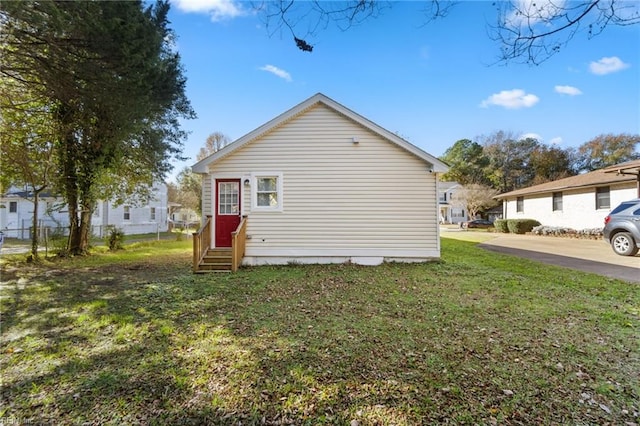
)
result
[(227, 210)]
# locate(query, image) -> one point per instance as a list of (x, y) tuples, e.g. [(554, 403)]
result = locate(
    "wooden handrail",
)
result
[(201, 242), (238, 240)]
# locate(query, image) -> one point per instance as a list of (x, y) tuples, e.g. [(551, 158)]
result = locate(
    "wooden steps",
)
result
[(216, 260)]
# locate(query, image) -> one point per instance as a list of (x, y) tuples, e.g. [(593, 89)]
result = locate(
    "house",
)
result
[(450, 213), (577, 202), (320, 184), (183, 216), (16, 214), (133, 217)]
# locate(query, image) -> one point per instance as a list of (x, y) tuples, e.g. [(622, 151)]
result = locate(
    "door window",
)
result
[(228, 196)]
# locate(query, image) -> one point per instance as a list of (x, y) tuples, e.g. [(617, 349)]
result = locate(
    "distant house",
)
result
[(450, 213), (134, 218), (322, 184), (16, 214), (577, 202), (183, 216)]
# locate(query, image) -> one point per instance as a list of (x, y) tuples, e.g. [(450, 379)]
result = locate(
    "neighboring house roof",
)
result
[(447, 185), (591, 179), (628, 168), (201, 166), (28, 194)]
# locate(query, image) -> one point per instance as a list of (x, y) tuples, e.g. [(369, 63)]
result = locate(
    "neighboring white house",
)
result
[(577, 202), (184, 216), (322, 184), (450, 213), (133, 218), (16, 214)]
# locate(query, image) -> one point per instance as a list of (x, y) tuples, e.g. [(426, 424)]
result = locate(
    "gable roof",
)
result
[(436, 165), (592, 179)]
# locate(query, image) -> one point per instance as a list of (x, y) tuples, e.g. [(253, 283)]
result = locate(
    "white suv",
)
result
[(622, 228)]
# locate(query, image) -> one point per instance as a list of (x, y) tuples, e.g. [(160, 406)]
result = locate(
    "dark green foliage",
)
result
[(114, 238), (467, 162), (521, 226), (114, 85), (501, 225)]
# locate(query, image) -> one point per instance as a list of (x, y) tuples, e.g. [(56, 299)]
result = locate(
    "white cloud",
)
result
[(568, 90), (531, 136), (218, 9), (511, 99), (556, 141), (532, 12), (607, 65), (277, 71)]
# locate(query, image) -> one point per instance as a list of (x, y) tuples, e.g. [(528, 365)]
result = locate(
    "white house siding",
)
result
[(53, 213), (207, 194), (18, 223), (140, 220), (449, 213), (340, 199), (578, 207)]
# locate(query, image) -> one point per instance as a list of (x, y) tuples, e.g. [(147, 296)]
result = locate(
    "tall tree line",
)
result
[(106, 80), (506, 162)]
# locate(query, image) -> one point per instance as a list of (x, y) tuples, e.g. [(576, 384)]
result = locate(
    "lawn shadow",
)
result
[(403, 344)]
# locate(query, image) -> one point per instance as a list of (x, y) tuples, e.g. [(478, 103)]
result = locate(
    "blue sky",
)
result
[(431, 84)]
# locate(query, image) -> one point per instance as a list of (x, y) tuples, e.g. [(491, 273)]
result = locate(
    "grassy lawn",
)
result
[(478, 338)]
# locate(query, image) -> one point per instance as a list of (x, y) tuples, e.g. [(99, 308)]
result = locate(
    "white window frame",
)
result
[(13, 207), (254, 192), (126, 213), (152, 214)]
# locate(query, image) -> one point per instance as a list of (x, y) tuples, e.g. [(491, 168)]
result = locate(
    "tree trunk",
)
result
[(71, 195), (84, 231), (34, 224)]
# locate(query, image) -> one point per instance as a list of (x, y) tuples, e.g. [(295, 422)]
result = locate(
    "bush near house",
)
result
[(501, 225), (515, 226), (521, 226)]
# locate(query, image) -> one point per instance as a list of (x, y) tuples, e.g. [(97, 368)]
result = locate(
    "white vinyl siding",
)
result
[(338, 196)]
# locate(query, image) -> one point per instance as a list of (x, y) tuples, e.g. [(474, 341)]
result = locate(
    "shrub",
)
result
[(501, 225), (114, 238), (521, 226), (57, 241)]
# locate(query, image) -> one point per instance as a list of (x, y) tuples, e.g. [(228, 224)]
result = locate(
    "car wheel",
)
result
[(623, 244)]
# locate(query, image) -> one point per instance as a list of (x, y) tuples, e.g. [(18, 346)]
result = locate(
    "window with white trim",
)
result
[(520, 204), (267, 192), (127, 213), (13, 207), (152, 214)]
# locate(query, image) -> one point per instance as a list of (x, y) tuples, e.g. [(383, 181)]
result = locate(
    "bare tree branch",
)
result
[(532, 32), (529, 31)]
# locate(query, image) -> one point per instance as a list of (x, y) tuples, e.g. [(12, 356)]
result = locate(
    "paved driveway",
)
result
[(586, 255)]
